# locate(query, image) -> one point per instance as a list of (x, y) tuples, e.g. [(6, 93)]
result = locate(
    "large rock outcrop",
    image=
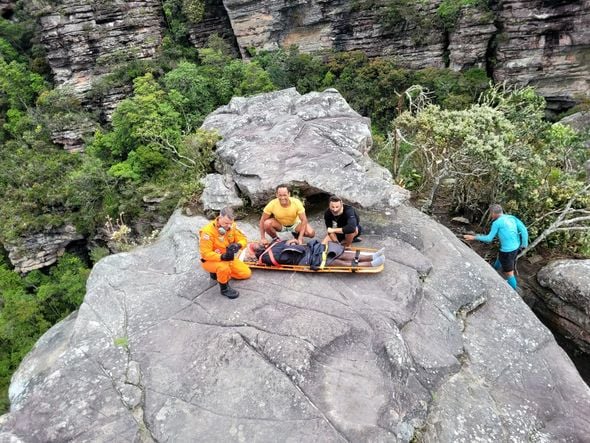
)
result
[(566, 303), (526, 42), (86, 40), (437, 347), (315, 141), (545, 44), (41, 249)]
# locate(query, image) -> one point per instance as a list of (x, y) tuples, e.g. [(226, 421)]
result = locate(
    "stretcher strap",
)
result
[(355, 260), (270, 256), (324, 256)]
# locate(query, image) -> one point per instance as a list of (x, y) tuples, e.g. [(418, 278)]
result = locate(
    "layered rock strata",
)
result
[(41, 249)]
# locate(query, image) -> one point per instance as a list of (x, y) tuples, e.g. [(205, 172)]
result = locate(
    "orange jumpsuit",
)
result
[(212, 244)]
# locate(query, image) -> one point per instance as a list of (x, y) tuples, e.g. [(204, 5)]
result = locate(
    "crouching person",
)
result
[(219, 244)]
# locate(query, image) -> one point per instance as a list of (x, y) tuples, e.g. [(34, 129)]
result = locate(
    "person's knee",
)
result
[(497, 265), (241, 272), (223, 272), (310, 232), (268, 224)]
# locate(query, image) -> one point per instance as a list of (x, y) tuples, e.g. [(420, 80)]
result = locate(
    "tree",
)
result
[(468, 147), (500, 150)]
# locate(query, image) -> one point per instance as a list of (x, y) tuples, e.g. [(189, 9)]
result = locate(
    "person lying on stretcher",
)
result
[(311, 254)]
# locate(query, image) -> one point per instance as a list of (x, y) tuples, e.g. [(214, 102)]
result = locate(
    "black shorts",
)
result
[(341, 237), (507, 260)]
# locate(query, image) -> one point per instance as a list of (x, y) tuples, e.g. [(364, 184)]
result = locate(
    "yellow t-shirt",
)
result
[(285, 216)]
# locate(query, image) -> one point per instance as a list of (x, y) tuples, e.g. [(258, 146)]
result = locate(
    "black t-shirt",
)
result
[(348, 220)]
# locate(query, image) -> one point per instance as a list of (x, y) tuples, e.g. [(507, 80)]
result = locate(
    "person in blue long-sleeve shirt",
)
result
[(513, 237)]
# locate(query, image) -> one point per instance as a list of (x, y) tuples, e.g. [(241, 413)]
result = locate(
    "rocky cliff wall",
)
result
[(536, 42), (541, 43), (546, 44), (85, 40)]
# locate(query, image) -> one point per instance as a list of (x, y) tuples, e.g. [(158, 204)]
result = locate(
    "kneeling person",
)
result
[(342, 223), (219, 243), (284, 214)]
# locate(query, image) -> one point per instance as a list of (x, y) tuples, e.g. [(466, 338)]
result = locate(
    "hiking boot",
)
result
[(227, 291), (213, 276)]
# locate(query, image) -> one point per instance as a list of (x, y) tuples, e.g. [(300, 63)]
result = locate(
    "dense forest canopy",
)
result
[(490, 142)]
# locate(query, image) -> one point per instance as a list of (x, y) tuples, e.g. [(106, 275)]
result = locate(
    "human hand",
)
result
[(264, 241), (234, 247), (468, 237), (227, 256)]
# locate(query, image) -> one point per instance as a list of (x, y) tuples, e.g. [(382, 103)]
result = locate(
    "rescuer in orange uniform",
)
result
[(219, 244)]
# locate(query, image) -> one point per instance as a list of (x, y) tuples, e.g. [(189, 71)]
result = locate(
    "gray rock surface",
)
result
[(7, 7), (220, 191), (568, 301), (87, 39), (545, 44), (316, 142), (527, 42), (580, 121), (41, 249), (436, 347)]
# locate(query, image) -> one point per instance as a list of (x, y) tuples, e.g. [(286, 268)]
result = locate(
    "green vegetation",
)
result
[(449, 10), (181, 14), (371, 86), (498, 150), (30, 305)]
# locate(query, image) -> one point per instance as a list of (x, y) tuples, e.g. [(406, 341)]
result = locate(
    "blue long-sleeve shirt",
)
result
[(511, 232)]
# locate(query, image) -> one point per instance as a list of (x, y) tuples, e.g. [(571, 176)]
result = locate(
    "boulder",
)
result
[(567, 304), (580, 121), (41, 249), (219, 192), (315, 142), (437, 347)]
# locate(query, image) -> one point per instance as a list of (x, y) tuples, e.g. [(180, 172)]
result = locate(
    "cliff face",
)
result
[(540, 43), (536, 42), (340, 25), (546, 44), (86, 39)]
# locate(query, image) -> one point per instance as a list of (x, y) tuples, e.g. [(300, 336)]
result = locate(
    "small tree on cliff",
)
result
[(500, 150)]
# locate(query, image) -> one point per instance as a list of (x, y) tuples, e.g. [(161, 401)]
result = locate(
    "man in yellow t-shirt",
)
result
[(284, 214)]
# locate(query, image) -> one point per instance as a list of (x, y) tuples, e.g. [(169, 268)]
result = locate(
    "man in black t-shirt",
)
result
[(342, 223)]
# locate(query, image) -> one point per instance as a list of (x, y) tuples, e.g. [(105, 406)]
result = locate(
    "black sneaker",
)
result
[(213, 276), (228, 292)]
